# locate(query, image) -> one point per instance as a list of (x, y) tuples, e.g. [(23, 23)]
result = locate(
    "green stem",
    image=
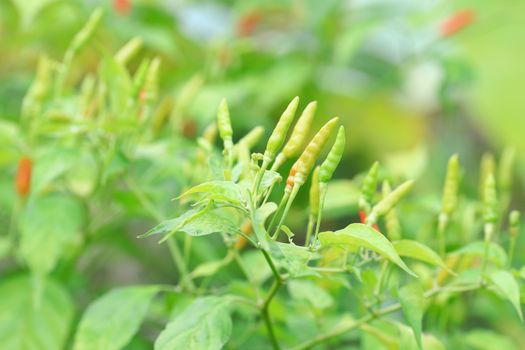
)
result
[(512, 245), (172, 244), (382, 274), (282, 204), (322, 190), (259, 177), (371, 316), (311, 223), (266, 303), (295, 189), (442, 226), (489, 231)]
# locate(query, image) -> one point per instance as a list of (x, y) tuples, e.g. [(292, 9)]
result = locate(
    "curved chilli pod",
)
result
[(306, 161), (368, 189), (387, 203), (449, 201)]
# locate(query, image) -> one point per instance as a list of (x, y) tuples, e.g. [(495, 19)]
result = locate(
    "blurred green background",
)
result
[(412, 81)]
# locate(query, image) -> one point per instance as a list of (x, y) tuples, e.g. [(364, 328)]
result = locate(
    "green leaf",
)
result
[(359, 235), (29, 10), (496, 254), (110, 322), (407, 340), (507, 285), (419, 251), (33, 322), (413, 303), (292, 258), (47, 226), (225, 191), (312, 293), (484, 339), (258, 220), (205, 324), (50, 166), (211, 267)]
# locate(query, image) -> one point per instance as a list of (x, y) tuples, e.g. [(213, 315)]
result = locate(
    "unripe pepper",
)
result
[(251, 138), (278, 135), (387, 203), (224, 124), (129, 50), (300, 131), (334, 157), (306, 161), (393, 228), (314, 193), (368, 188), (23, 177), (450, 189), (490, 201)]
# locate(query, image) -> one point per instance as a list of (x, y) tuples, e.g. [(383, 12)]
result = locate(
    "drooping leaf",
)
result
[(205, 324), (225, 191), (412, 303), (258, 220), (507, 285), (110, 322), (419, 251), (47, 225), (364, 236), (33, 322), (311, 292)]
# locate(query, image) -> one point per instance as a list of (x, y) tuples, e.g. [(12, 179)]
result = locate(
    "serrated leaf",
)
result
[(110, 322), (205, 324), (361, 235), (29, 322), (419, 251), (225, 191), (312, 293), (47, 225), (258, 220), (507, 285), (412, 303)]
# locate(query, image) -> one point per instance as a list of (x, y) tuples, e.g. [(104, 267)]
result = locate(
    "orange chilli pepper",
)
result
[(122, 7), (23, 176), (362, 217), (456, 22)]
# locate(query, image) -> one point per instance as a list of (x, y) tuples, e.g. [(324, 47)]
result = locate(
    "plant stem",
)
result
[(323, 190), (442, 225), (512, 245), (371, 316), (311, 223), (266, 303), (295, 189), (489, 230), (259, 177), (172, 244)]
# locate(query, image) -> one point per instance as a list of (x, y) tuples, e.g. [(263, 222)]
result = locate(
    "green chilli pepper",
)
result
[(387, 203), (368, 188), (129, 50), (280, 131), (139, 77), (450, 189), (295, 143), (314, 192), (306, 161), (334, 157), (487, 167), (83, 36), (40, 88), (393, 228), (224, 124), (151, 82), (490, 201), (251, 138)]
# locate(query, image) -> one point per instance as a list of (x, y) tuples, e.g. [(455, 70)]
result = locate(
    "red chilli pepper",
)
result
[(23, 176), (248, 23), (362, 217), (456, 22), (122, 7)]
